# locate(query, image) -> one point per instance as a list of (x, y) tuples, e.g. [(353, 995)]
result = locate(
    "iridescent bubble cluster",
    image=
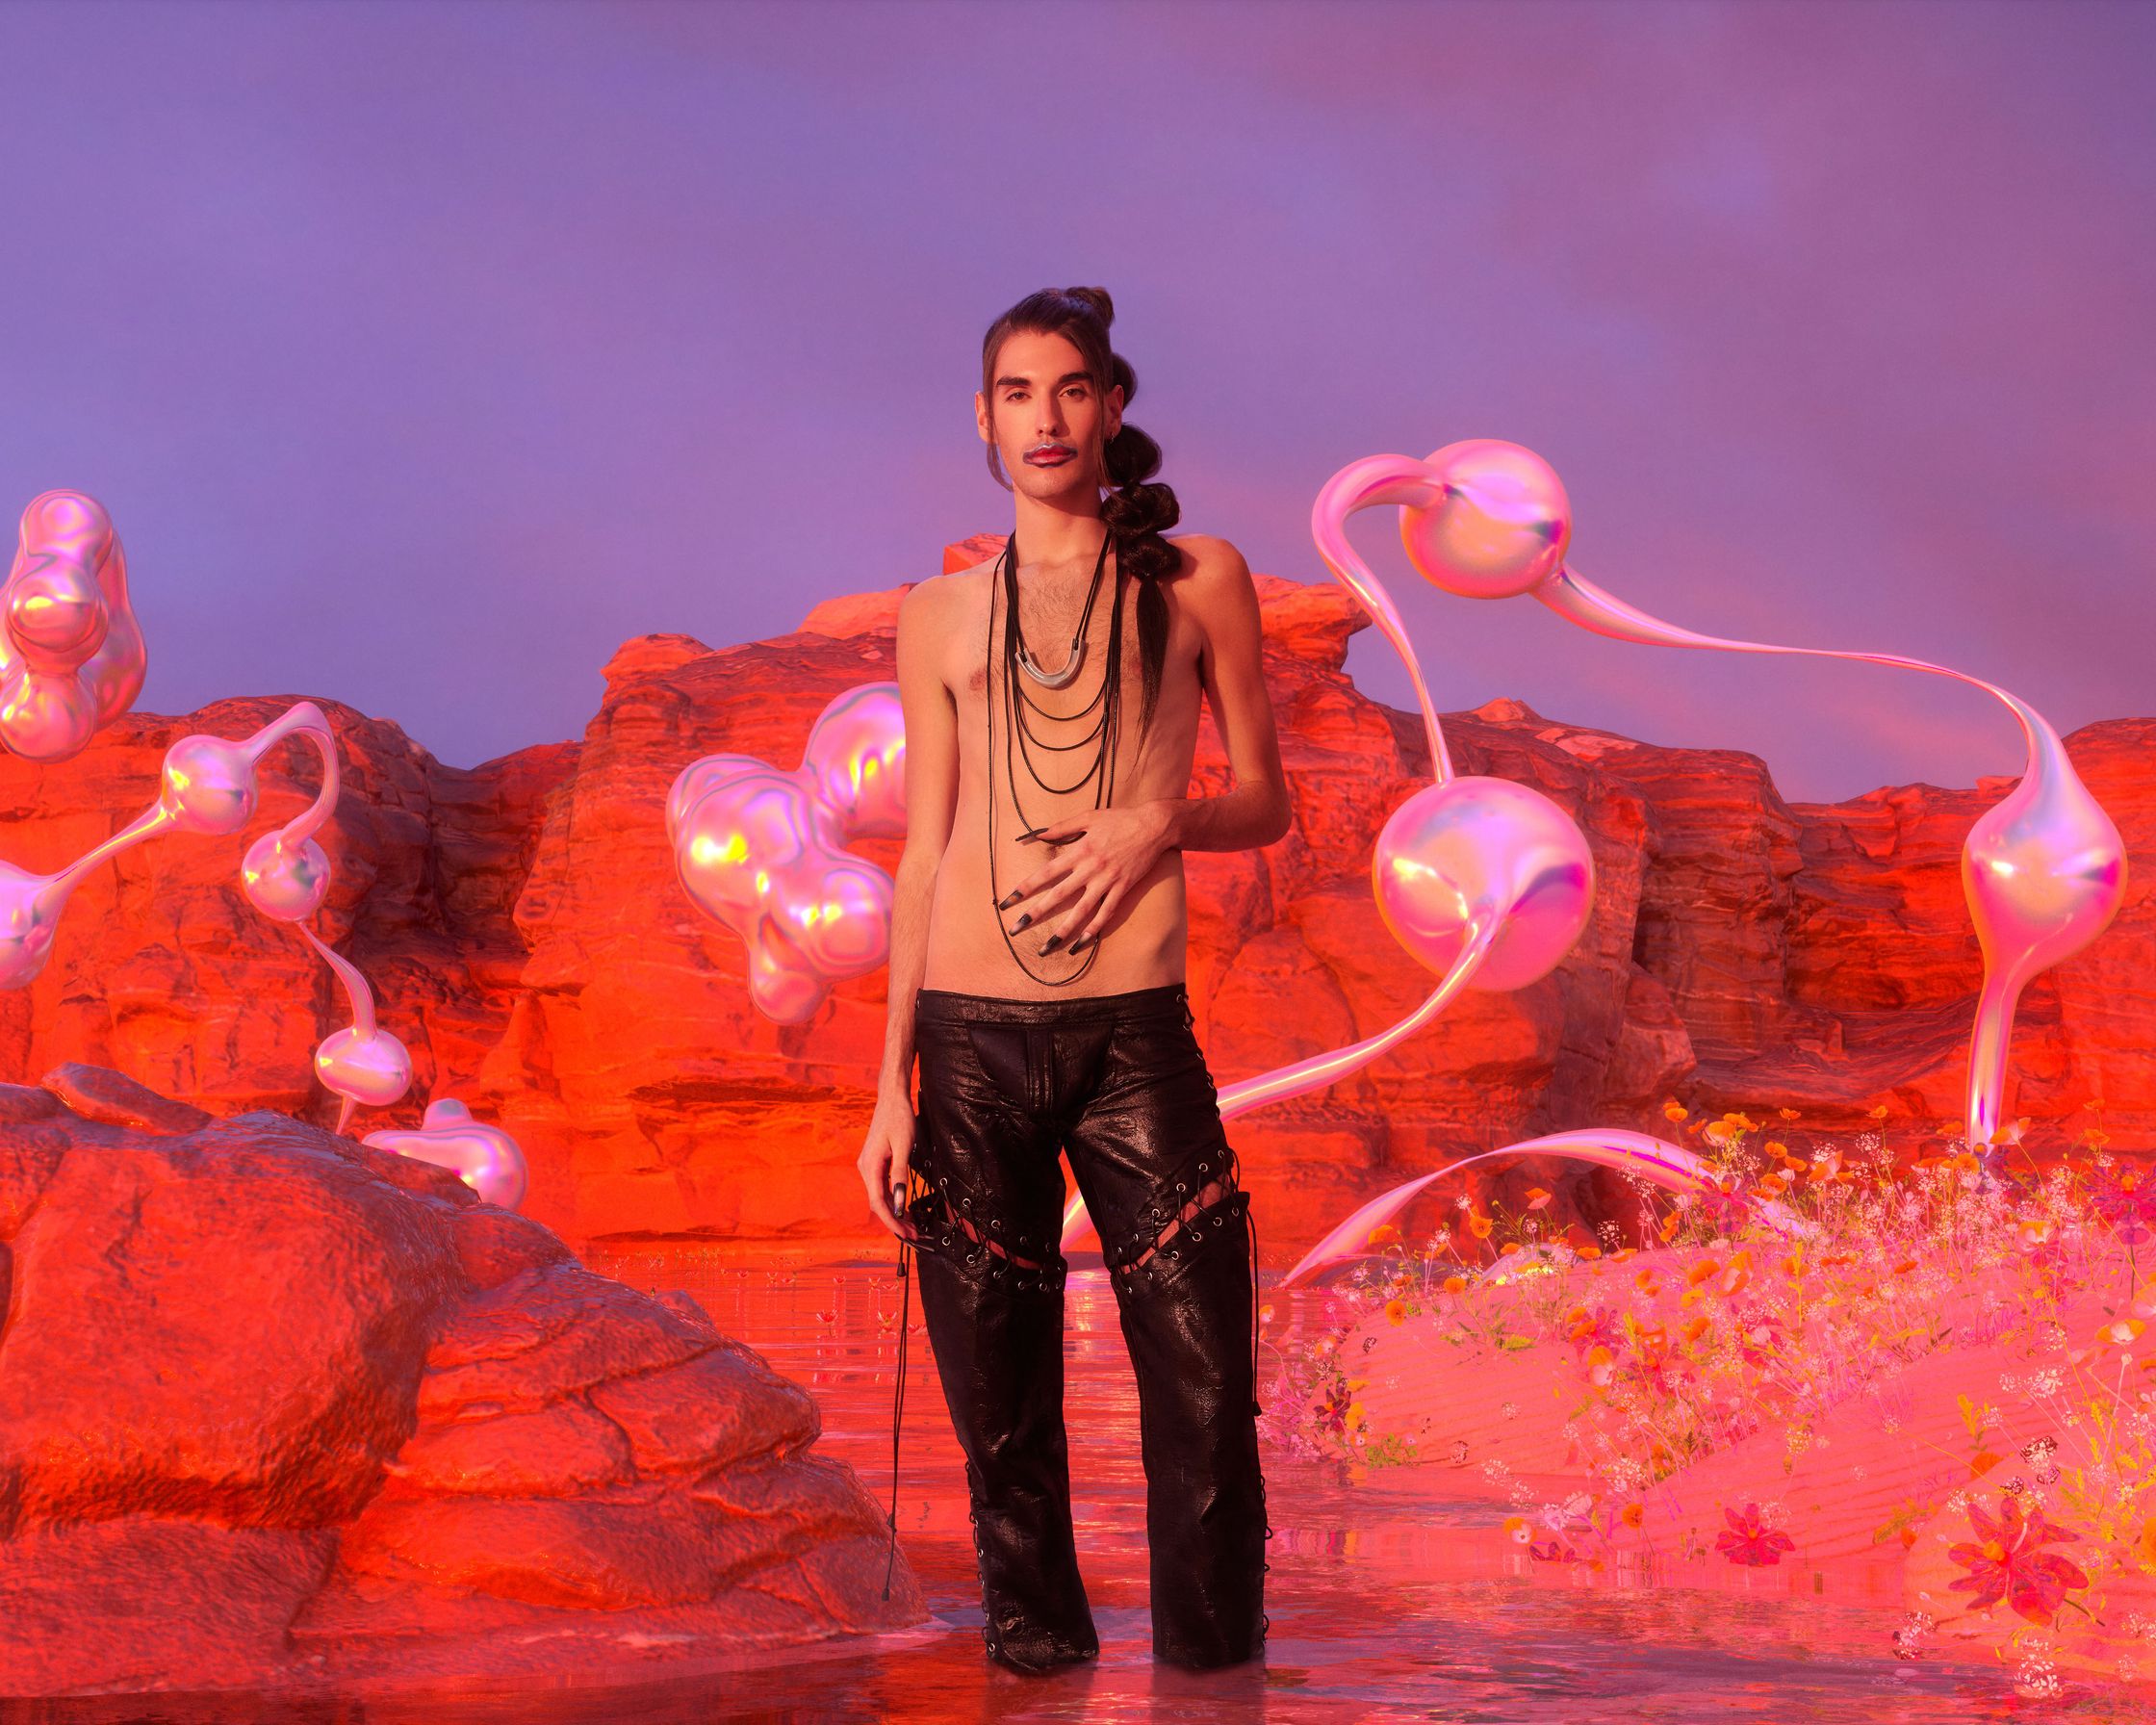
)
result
[(208, 786), (485, 1158), (71, 655), (763, 851)]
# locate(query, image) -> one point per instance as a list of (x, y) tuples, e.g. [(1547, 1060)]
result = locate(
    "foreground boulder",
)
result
[(276, 1406)]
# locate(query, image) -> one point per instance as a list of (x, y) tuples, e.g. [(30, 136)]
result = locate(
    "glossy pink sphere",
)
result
[(1473, 848), (1498, 524)]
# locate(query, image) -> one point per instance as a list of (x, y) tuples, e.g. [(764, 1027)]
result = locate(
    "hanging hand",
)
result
[(1098, 855)]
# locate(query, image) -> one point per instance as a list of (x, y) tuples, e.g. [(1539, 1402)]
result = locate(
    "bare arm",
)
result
[(932, 787), (1257, 812)]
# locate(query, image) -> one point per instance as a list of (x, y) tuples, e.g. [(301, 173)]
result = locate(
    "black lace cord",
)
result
[(1265, 1563), (1015, 693), (1110, 725), (898, 1392)]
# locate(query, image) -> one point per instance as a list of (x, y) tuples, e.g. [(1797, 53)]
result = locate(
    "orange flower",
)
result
[(1453, 1284), (1383, 1234), (1633, 1514), (1671, 1222), (1700, 1269), (1881, 1111), (1590, 1253), (1673, 1111), (1788, 1114), (1519, 1529), (1395, 1311), (1697, 1327), (1478, 1224), (1536, 1197), (1601, 1363)]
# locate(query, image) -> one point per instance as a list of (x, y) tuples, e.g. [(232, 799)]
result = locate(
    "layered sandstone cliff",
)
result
[(527, 938)]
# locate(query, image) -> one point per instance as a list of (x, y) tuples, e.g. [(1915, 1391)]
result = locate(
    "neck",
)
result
[(1056, 533)]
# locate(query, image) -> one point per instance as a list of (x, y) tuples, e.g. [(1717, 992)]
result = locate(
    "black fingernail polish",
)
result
[(1022, 924), (1050, 944), (1080, 941), (1010, 898), (1027, 837)]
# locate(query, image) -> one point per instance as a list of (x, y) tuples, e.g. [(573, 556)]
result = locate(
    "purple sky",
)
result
[(425, 353)]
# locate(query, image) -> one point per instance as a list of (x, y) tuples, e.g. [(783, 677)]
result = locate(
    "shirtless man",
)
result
[(1054, 1018)]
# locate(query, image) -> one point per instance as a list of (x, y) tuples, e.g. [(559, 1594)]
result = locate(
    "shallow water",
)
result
[(1389, 1600)]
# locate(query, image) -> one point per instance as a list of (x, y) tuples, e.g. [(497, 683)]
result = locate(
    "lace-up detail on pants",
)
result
[(1120, 1083)]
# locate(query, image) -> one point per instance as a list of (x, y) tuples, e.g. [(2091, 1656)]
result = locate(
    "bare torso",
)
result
[(1145, 942)]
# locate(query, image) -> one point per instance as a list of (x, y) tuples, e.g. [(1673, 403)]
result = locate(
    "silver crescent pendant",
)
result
[(1054, 679)]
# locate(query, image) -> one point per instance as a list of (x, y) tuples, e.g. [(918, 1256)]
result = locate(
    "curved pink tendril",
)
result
[(2043, 871), (1669, 1166), (208, 785)]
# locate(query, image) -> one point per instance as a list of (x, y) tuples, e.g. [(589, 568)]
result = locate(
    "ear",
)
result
[(980, 416)]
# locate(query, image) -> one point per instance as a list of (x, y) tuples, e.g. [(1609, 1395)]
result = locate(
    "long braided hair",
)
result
[(1138, 513)]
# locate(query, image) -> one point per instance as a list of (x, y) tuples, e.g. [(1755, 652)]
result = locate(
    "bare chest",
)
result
[(975, 670)]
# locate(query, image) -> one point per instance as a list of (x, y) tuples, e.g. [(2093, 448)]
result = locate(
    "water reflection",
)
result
[(1389, 1599)]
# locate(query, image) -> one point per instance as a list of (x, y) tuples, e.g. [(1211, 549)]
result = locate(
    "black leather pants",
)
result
[(1119, 1081)]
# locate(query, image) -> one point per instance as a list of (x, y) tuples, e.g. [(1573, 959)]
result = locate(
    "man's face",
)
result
[(1045, 418)]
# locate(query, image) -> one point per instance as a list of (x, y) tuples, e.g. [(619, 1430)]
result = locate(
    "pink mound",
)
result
[(1873, 1486), (276, 1407)]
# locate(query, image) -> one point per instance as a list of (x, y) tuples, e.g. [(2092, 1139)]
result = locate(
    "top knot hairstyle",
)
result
[(1137, 513)]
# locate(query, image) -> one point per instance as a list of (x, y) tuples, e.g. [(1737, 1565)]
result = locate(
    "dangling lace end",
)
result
[(898, 1400), (1257, 1319)]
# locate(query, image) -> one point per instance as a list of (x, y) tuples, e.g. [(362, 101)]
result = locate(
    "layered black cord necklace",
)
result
[(1017, 668)]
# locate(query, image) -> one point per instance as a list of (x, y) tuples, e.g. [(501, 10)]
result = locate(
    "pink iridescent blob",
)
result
[(762, 851), (71, 652), (485, 1158)]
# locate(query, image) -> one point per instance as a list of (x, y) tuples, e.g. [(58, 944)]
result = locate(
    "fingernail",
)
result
[(1028, 837), (1067, 838), (1021, 924), (1080, 941), (1010, 898), (1050, 944)]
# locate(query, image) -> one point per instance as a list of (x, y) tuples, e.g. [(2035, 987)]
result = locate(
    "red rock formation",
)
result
[(277, 1406), (524, 927)]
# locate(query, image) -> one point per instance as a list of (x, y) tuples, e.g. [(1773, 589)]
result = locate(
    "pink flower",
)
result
[(1747, 1541), (2008, 1565)]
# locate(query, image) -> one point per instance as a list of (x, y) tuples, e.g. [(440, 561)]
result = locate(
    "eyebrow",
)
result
[(1024, 382)]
